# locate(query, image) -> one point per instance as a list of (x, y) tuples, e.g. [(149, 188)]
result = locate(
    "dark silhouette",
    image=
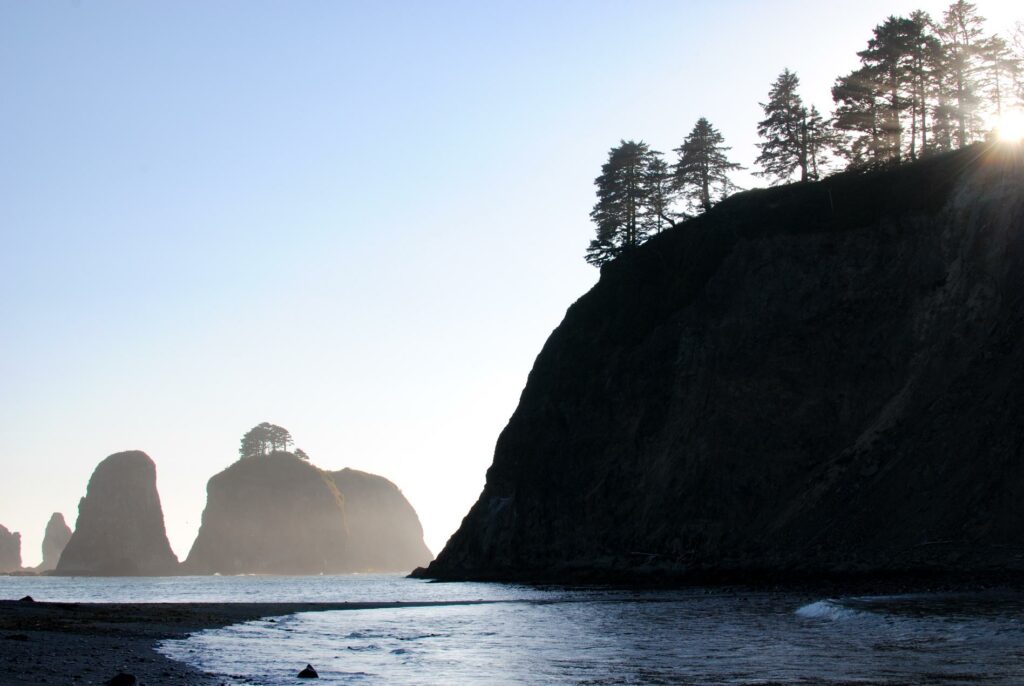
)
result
[(265, 439), (55, 539), (923, 87), (120, 528), (701, 173), (818, 379), (793, 137), (629, 200)]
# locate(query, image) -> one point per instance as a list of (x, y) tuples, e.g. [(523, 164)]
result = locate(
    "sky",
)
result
[(356, 220)]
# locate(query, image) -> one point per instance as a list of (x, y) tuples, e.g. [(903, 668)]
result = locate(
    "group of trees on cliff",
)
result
[(267, 439), (923, 86)]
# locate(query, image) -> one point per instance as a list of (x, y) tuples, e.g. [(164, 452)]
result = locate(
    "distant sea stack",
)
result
[(272, 514), (10, 550), (385, 534), (279, 514), (816, 379), (56, 538), (120, 528)]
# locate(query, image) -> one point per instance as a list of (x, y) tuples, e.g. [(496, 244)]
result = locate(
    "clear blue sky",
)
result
[(356, 220)]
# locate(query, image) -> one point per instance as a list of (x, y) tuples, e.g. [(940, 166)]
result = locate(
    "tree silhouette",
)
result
[(785, 132), (963, 44), (264, 439), (703, 167), (624, 207)]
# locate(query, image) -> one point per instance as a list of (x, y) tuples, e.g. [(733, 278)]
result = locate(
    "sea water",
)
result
[(509, 634)]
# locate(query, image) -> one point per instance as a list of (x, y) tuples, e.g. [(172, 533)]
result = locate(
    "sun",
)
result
[(1010, 127)]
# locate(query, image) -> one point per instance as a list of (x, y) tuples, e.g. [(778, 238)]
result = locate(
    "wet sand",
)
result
[(88, 643)]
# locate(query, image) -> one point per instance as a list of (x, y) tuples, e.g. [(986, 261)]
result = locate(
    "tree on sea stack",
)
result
[(702, 172), (264, 439), (624, 212)]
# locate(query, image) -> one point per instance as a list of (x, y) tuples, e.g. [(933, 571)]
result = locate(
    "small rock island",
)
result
[(120, 529)]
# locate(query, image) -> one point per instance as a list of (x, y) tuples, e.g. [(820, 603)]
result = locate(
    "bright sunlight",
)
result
[(1010, 127)]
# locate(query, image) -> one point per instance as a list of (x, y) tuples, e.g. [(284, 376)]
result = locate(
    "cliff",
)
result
[(274, 514), (817, 379), (120, 528), (10, 550), (384, 532), (55, 539)]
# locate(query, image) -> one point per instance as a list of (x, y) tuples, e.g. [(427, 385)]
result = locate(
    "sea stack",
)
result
[(820, 379), (385, 534), (272, 514), (56, 538), (120, 529), (10, 550), (279, 514)]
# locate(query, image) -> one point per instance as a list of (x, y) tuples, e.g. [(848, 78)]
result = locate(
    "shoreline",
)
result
[(85, 643), (89, 643)]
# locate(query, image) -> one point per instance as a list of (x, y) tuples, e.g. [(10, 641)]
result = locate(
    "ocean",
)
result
[(511, 634)]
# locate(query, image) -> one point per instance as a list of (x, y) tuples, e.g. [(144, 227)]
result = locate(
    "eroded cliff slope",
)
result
[(821, 378)]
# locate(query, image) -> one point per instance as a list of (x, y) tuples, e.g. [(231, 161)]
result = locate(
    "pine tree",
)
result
[(924, 58), (660, 194), (820, 140), (622, 209), (703, 166), (888, 59), (962, 40), (857, 117), (784, 130), (1001, 74)]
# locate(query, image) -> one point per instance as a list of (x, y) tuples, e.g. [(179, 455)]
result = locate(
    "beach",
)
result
[(88, 643)]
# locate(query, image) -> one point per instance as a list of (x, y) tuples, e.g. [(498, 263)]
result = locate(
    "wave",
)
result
[(830, 609)]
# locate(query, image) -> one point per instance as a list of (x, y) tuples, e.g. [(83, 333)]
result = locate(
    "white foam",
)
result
[(826, 609)]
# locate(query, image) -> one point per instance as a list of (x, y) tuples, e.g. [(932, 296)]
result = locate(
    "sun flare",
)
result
[(1011, 127)]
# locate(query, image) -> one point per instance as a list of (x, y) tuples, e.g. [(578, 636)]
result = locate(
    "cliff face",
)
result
[(10, 550), (271, 515), (55, 539), (815, 379), (120, 528), (385, 533)]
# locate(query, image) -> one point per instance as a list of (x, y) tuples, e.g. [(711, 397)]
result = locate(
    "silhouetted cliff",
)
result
[(384, 532), (821, 378), (56, 537), (278, 514), (274, 514), (10, 550), (120, 528)]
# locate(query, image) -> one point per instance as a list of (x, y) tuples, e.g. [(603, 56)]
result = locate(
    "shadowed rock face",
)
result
[(120, 528), (385, 533), (817, 379), (275, 514), (10, 550), (57, 535)]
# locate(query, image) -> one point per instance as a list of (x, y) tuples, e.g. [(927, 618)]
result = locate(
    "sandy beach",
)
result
[(88, 643)]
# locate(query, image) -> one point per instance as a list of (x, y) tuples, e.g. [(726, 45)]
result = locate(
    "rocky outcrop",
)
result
[(384, 532), (120, 528), (10, 550), (817, 379), (278, 514), (274, 514), (55, 539)]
